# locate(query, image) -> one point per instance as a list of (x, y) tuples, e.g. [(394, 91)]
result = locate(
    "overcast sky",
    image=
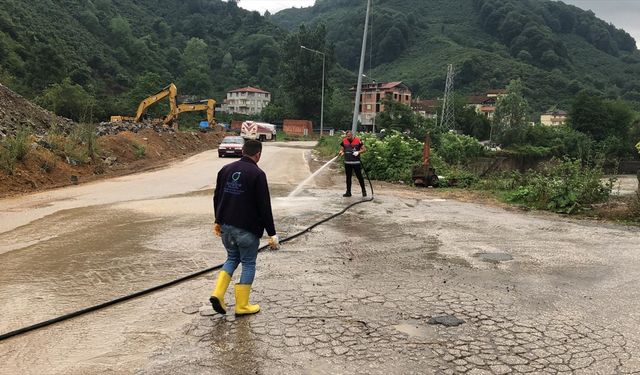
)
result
[(274, 5), (622, 13)]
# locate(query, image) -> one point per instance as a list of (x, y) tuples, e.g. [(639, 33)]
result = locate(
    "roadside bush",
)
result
[(20, 143), (81, 145), (294, 137), (54, 141), (328, 146), (138, 150), (564, 187), (47, 160), (500, 182), (14, 148), (391, 158), (456, 148), (7, 160), (454, 176)]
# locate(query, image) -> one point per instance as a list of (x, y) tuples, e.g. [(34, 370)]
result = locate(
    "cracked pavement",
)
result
[(538, 293)]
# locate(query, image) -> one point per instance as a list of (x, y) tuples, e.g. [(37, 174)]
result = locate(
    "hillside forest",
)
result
[(90, 59)]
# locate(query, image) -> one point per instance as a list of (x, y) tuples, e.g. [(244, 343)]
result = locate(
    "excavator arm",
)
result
[(170, 91), (207, 105)]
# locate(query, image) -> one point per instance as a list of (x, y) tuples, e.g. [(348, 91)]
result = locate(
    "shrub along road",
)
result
[(536, 292)]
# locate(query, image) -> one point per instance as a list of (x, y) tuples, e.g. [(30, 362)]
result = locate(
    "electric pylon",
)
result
[(447, 120)]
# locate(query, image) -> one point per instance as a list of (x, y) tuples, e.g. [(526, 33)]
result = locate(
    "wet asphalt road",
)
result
[(537, 293)]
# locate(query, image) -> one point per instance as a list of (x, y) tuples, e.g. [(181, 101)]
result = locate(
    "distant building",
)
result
[(426, 108), (486, 103), (372, 95), (247, 101), (297, 127), (554, 117), (496, 93)]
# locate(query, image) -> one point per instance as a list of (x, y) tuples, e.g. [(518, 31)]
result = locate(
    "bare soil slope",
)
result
[(46, 167), (16, 111)]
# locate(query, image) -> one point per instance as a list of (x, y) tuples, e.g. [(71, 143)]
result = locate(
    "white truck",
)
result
[(261, 131)]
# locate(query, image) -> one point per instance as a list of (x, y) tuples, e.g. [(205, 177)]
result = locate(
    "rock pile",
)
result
[(16, 112), (111, 128)]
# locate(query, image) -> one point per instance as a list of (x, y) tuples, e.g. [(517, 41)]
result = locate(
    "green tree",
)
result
[(470, 122), (197, 79), (195, 54), (338, 109), (599, 118), (274, 112), (302, 70), (68, 100), (588, 115), (512, 113), (120, 30), (196, 82), (145, 85), (396, 116), (393, 44)]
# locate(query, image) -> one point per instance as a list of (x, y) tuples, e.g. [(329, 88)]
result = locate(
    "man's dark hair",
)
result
[(251, 147)]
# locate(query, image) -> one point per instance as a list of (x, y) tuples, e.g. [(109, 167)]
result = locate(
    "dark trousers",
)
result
[(349, 169)]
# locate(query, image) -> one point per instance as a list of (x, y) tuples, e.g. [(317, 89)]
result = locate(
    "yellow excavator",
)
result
[(170, 91), (175, 109), (207, 105)]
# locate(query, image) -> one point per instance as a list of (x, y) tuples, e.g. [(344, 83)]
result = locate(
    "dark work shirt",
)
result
[(349, 147), (242, 199)]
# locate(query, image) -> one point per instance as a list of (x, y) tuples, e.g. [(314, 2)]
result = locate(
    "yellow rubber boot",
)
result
[(217, 296), (242, 300)]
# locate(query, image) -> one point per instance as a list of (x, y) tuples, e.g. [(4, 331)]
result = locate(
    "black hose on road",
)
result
[(87, 310)]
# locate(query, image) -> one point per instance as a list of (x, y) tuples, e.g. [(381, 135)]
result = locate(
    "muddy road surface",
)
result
[(409, 283)]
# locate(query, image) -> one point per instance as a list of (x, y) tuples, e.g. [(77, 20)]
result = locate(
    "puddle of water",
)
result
[(494, 257), (446, 320), (416, 329)]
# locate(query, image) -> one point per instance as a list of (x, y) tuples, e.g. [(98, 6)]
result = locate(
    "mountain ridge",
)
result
[(558, 47)]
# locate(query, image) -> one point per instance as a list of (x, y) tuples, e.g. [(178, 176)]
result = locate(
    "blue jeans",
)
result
[(242, 247)]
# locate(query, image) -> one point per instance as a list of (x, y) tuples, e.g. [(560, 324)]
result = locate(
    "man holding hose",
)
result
[(351, 148)]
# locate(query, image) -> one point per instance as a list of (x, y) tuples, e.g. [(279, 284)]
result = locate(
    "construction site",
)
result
[(125, 145)]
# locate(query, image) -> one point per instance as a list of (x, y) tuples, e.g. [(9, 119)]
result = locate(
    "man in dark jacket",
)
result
[(352, 147), (242, 206)]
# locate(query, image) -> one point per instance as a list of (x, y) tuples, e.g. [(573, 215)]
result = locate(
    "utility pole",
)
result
[(447, 121), (356, 108)]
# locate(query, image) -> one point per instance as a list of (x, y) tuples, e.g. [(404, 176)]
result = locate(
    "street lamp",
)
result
[(322, 96)]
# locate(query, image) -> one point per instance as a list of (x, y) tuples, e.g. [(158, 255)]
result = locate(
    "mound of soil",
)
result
[(122, 148), (17, 112), (119, 154)]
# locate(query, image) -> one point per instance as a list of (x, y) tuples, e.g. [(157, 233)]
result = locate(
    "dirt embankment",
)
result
[(119, 154), (17, 112), (54, 158)]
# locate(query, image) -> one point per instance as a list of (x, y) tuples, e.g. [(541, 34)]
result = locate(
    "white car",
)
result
[(231, 146)]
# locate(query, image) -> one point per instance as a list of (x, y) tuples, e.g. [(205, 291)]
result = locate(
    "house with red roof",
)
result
[(247, 101), (485, 104), (372, 95)]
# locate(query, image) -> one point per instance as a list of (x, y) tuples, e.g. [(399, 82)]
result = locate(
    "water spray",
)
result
[(303, 183)]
